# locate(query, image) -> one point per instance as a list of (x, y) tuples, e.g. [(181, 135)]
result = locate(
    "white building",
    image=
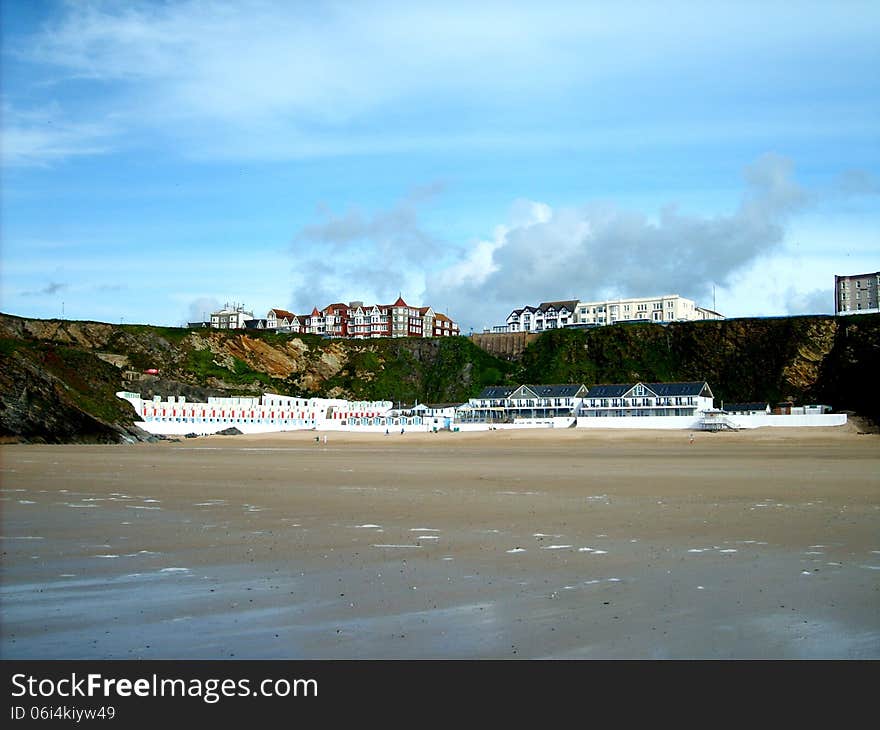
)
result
[(647, 399), (546, 316), (505, 403), (660, 309), (270, 413), (551, 315), (231, 318)]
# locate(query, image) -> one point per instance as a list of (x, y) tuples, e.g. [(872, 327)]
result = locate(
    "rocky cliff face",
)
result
[(58, 379)]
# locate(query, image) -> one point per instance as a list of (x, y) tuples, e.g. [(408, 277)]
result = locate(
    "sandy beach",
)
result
[(528, 544)]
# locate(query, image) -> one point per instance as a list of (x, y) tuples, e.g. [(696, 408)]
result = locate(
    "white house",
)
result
[(547, 315), (231, 318), (504, 403), (647, 399)]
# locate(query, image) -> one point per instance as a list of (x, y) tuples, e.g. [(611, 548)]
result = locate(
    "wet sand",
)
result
[(560, 544)]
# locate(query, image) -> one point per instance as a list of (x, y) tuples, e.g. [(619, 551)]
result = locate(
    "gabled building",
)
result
[(547, 315), (336, 320), (444, 327), (505, 403), (648, 399), (281, 319)]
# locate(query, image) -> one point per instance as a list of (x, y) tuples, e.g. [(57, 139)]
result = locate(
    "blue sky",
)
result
[(161, 158)]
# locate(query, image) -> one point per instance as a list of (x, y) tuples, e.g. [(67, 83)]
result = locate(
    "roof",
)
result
[(608, 391), (569, 304), (435, 406), (400, 303), (253, 324), (690, 388), (282, 313), (315, 312), (739, 407), (567, 390), (660, 389), (496, 391)]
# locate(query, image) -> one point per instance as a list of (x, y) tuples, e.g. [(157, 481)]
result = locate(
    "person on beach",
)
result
[(325, 439), (691, 439)]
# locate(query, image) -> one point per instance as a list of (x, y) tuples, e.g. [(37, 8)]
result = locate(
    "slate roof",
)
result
[(566, 390), (743, 407), (660, 389), (569, 304), (609, 391), (668, 389), (496, 391)]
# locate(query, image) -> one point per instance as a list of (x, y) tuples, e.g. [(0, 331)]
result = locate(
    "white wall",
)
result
[(691, 422), (817, 419), (650, 422)]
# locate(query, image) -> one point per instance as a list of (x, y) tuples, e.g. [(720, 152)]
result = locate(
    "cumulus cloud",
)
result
[(601, 250), (592, 251), (371, 256)]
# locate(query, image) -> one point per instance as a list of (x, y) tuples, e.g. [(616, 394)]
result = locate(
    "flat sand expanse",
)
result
[(558, 543)]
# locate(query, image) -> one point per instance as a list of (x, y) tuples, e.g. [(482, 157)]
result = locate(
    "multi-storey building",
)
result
[(547, 315), (504, 403), (231, 318), (360, 321), (281, 319), (648, 399), (857, 294), (666, 308), (443, 326)]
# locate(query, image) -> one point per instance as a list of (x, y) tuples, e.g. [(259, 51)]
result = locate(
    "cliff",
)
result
[(810, 359), (58, 379)]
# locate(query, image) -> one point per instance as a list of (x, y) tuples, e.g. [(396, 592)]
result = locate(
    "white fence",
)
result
[(693, 422)]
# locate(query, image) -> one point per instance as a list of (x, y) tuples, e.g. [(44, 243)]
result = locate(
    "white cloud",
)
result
[(601, 250), (287, 80), (39, 137)]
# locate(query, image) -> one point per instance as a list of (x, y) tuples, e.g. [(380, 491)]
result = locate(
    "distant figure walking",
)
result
[(401, 430), (317, 439), (386, 431), (325, 439), (691, 439)]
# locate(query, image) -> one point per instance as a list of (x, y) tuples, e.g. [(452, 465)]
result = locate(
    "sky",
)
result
[(159, 159)]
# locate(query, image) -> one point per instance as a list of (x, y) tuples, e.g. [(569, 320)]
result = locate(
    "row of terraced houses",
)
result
[(352, 320)]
